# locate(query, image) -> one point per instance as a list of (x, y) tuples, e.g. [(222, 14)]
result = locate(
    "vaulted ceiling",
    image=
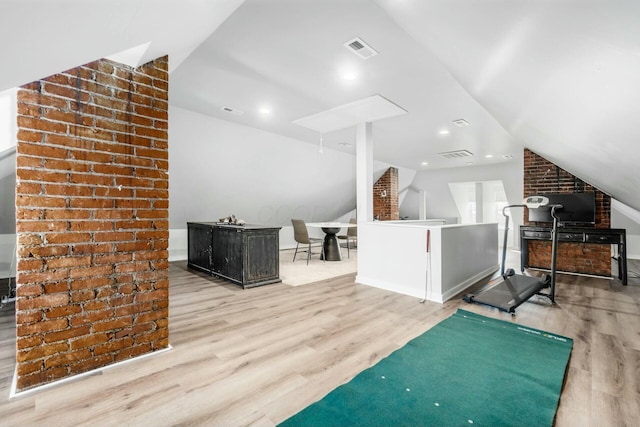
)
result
[(560, 78)]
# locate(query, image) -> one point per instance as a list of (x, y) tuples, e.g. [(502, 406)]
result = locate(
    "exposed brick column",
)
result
[(92, 219), (385, 196), (542, 176)]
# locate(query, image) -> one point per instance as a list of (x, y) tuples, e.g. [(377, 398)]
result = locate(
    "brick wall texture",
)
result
[(385, 196), (542, 176), (92, 219)]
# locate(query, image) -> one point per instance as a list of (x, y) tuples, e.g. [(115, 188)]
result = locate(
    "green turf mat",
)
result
[(466, 370)]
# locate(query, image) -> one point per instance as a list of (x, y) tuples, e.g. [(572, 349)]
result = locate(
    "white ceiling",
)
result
[(558, 77), (349, 115), (44, 37), (290, 55)]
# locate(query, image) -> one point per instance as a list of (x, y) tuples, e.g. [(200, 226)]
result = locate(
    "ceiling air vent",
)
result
[(461, 123), (507, 156), (360, 48), (456, 154), (232, 111)]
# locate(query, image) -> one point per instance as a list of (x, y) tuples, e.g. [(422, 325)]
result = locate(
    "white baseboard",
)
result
[(388, 286), (178, 242), (177, 255), (452, 292), (419, 293), (14, 393)]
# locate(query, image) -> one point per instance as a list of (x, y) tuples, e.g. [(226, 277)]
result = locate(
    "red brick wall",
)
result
[(385, 196), (542, 176), (92, 219)]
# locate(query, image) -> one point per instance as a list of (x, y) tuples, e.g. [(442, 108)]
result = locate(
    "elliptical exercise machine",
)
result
[(510, 290)]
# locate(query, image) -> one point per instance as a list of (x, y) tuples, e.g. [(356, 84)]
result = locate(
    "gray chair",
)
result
[(301, 236), (351, 236)]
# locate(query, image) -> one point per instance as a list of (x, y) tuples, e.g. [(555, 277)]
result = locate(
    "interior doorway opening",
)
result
[(481, 202)]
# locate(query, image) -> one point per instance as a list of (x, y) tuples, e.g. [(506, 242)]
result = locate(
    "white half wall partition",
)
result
[(393, 256)]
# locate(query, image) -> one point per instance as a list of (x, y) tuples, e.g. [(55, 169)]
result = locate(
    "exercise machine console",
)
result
[(510, 290)]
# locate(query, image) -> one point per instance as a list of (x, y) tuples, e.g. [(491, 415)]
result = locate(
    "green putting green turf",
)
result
[(467, 370)]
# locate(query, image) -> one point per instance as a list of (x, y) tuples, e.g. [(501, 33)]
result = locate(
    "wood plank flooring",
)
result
[(256, 356)]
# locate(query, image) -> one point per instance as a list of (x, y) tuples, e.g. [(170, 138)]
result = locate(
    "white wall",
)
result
[(405, 181), (440, 202), (393, 256), (218, 168), (7, 257), (8, 103), (8, 193)]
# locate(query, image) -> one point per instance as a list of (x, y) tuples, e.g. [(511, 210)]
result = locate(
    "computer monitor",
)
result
[(576, 208)]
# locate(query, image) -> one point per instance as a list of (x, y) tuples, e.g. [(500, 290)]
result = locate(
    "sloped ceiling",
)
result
[(289, 56), (561, 76), (43, 37), (558, 77)]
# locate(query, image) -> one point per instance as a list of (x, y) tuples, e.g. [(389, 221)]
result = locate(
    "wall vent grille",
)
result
[(458, 154), (461, 123), (360, 48), (232, 111)]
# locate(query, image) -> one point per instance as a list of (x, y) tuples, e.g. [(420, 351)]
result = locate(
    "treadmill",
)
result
[(510, 290)]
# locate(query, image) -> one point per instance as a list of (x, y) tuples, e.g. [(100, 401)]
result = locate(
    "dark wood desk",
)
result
[(604, 236), (247, 255)]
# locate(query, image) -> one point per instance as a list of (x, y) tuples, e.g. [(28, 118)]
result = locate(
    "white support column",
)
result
[(422, 208), (479, 203), (364, 171)]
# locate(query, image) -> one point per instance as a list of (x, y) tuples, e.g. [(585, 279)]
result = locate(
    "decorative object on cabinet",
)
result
[(231, 219)]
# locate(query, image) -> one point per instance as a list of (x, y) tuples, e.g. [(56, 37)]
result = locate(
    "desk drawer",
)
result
[(603, 238), (570, 237), (538, 235)]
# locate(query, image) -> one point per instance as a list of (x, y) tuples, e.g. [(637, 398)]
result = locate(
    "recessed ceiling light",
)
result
[(424, 163), (349, 76), (264, 110), (488, 156), (444, 132), (345, 144)]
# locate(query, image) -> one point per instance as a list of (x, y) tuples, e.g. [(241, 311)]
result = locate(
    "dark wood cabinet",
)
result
[(247, 255), (199, 246), (603, 236)]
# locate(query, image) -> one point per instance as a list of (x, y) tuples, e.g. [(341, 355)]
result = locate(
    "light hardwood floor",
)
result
[(257, 356)]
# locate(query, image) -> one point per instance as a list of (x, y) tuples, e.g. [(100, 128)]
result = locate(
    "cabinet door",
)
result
[(227, 253), (199, 247), (261, 256)]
